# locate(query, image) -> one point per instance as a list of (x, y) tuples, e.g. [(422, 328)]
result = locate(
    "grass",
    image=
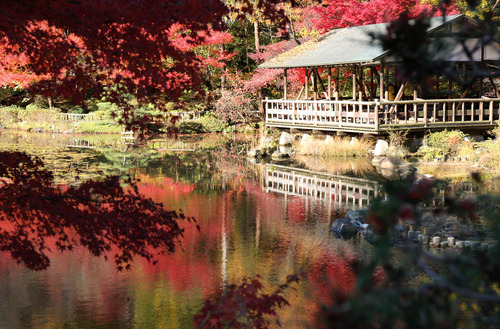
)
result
[(335, 147), (103, 127)]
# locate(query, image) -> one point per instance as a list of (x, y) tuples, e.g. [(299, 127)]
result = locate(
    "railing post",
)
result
[(425, 114), (376, 116), (315, 107), (491, 112)]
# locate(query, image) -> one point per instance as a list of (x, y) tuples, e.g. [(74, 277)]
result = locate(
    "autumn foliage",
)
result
[(244, 305), (37, 216)]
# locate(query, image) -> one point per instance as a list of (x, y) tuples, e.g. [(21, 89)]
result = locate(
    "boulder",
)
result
[(279, 156), (286, 139), (355, 215), (306, 138), (392, 163), (255, 153), (380, 148), (286, 149), (344, 228)]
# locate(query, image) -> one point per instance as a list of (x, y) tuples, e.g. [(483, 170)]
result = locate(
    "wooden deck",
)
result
[(340, 191), (378, 117)]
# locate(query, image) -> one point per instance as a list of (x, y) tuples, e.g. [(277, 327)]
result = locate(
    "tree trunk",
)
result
[(257, 50)]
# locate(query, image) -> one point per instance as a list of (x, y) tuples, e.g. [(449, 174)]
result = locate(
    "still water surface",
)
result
[(267, 219)]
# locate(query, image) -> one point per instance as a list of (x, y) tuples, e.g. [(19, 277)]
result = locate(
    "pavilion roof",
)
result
[(352, 45)]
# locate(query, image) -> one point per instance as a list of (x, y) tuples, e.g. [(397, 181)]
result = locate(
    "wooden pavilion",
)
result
[(379, 101)]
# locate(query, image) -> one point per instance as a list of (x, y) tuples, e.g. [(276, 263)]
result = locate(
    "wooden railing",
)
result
[(383, 115), (72, 117), (183, 116), (342, 191)]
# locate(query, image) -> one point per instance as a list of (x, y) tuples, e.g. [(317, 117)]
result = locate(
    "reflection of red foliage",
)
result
[(98, 215)]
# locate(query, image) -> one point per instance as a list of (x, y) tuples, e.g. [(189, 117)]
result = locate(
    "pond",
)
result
[(255, 218)]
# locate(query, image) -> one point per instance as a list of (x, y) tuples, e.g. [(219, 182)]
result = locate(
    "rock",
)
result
[(279, 156), (436, 240), (425, 239), (286, 149), (380, 148), (392, 163), (444, 244), (451, 241), (377, 160), (286, 139), (355, 215), (306, 139), (460, 244), (69, 131), (254, 153), (344, 226)]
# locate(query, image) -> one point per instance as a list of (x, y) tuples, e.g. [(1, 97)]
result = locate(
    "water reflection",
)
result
[(245, 230), (336, 190)]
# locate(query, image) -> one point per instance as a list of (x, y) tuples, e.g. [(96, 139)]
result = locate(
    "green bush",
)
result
[(103, 126), (213, 125), (36, 115), (9, 115), (191, 127), (444, 144)]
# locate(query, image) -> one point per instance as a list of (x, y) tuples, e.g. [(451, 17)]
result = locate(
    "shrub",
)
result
[(37, 115), (397, 140), (103, 126), (213, 125), (444, 144), (236, 106), (191, 127), (489, 154), (9, 115)]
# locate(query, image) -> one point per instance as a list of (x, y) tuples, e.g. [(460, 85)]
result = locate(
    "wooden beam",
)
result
[(329, 83), (372, 84), (285, 83), (337, 83), (315, 84), (306, 84), (381, 76), (300, 93), (401, 91), (320, 80), (354, 91)]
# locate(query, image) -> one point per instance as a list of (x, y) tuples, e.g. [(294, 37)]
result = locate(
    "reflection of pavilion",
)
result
[(342, 191)]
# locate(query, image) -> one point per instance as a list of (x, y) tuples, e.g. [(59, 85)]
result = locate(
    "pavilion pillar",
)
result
[(381, 76), (354, 82), (315, 84), (329, 83), (306, 84), (372, 85), (337, 83), (285, 85)]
